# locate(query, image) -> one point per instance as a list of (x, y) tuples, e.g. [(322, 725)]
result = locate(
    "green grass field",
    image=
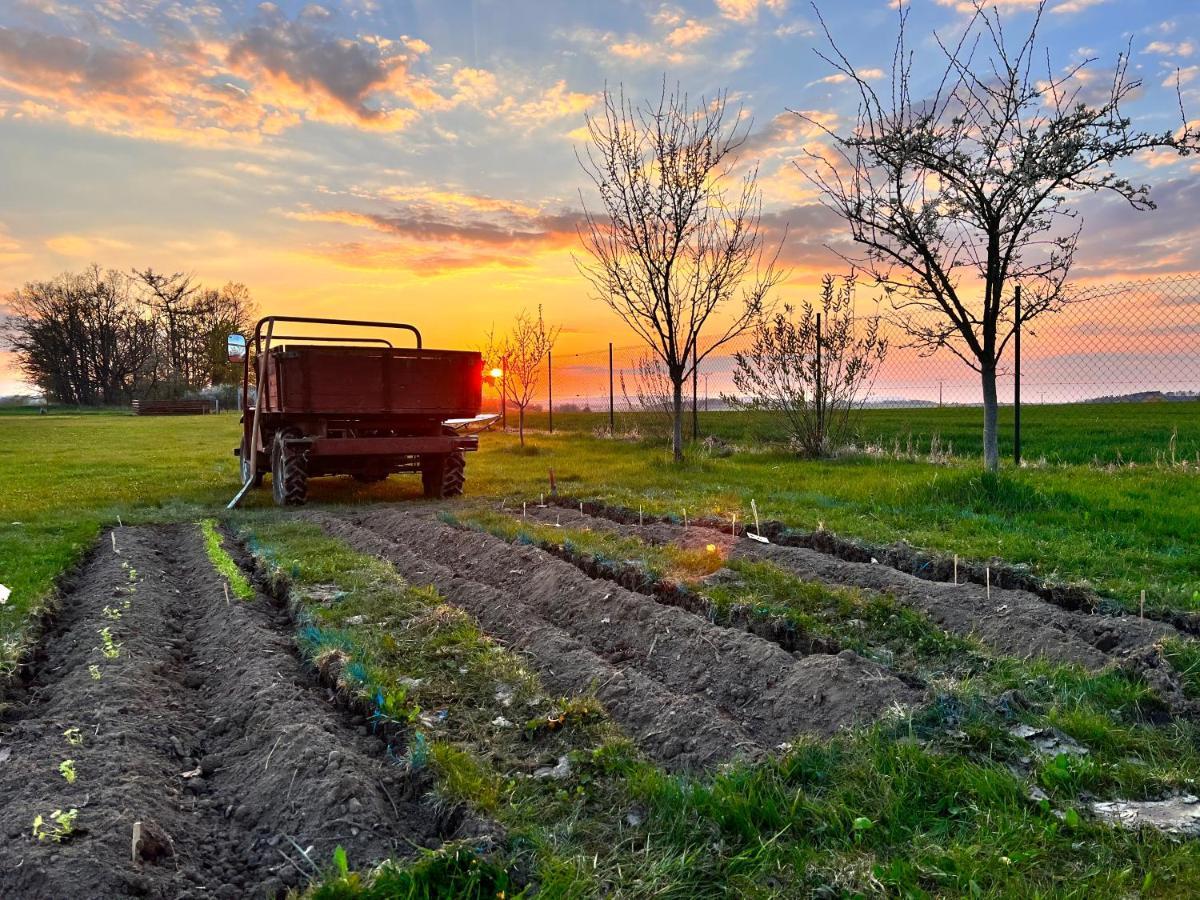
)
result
[(1073, 433), (1122, 528), (923, 804)]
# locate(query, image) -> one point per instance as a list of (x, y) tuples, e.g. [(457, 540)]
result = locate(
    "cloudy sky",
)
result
[(416, 160)]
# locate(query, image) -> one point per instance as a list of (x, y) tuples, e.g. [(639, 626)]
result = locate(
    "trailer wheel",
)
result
[(289, 471), (454, 475), (244, 462), (433, 473)]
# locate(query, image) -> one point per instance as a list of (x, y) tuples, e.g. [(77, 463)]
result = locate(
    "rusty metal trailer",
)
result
[(333, 404)]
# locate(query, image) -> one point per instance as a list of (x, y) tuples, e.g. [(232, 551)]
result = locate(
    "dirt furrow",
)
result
[(767, 692), (1012, 622), (696, 733), (204, 727)]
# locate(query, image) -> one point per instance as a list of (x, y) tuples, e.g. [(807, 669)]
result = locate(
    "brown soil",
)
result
[(1013, 622), (690, 692), (200, 684)]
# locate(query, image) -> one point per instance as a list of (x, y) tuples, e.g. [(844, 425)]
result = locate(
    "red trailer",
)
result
[(335, 404)]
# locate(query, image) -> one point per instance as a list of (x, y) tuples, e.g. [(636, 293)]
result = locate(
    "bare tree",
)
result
[(79, 337), (94, 337), (520, 355), (961, 195), (814, 371), (674, 244)]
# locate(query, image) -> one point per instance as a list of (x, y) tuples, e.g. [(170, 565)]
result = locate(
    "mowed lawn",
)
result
[(1123, 529)]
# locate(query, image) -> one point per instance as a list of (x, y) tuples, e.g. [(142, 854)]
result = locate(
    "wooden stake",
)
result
[(733, 527), (523, 514), (956, 568), (989, 582), (1142, 606)]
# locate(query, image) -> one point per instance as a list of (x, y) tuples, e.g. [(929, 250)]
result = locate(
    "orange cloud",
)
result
[(746, 11), (271, 77), (555, 102), (690, 32)]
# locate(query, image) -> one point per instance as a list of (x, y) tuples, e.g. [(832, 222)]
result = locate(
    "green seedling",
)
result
[(63, 827), (74, 736), (66, 769), (94, 671), (111, 612), (110, 648)]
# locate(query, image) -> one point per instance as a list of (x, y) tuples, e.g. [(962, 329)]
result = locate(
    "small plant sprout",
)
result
[(110, 648), (74, 736), (66, 769), (94, 671), (111, 612), (63, 827)]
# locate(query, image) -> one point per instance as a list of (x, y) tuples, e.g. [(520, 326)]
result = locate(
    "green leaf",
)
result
[(340, 862), (862, 823)]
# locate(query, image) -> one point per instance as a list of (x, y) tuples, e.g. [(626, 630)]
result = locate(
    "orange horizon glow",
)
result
[(366, 160)]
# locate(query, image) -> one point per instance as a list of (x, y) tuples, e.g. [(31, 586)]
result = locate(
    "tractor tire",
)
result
[(433, 474), (289, 471), (454, 474), (244, 464)]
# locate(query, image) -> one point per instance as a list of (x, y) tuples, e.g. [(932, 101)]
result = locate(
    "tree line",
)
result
[(102, 337)]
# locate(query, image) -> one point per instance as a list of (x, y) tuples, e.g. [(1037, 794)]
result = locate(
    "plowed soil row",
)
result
[(207, 685), (1012, 622), (690, 692)]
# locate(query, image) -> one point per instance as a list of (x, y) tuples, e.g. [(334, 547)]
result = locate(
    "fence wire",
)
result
[(1129, 341)]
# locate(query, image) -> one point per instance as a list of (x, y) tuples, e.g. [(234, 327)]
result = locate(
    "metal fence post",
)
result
[(550, 388), (612, 416), (820, 380), (695, 383), (1017, 376)]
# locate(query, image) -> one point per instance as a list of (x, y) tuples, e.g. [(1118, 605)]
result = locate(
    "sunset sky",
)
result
[(415, 160)]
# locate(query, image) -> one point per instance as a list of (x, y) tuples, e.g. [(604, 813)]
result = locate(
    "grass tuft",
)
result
[(239, 585)]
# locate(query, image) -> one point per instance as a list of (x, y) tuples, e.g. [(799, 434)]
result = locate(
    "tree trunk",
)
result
[(991, 450), (521, 424), (677, 418)]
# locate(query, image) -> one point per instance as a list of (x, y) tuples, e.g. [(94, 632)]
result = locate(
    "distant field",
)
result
[(1069, 433)]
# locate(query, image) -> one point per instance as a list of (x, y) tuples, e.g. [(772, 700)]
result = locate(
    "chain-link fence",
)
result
[(1129, 341)]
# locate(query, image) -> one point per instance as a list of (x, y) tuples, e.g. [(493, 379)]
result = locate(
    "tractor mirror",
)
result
[(235, 345)]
